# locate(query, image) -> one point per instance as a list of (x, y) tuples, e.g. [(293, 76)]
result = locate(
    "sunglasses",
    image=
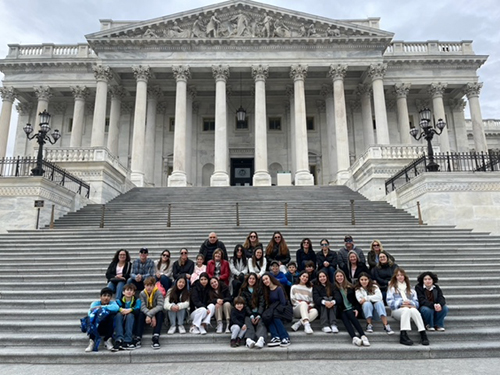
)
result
[(252, 236), (183, 253), (324, 245), (376, 245), (165, 255), (277, 237)]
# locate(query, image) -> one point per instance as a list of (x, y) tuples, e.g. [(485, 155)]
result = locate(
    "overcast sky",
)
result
[(68, 21)]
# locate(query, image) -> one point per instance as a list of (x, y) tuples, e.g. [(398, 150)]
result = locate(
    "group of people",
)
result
[(259, 291)]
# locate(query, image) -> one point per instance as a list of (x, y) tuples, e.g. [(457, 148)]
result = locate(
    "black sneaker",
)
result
[(129, 346), (285, 342), (118, 346), (137, 343), (275, 341), (156, 342)]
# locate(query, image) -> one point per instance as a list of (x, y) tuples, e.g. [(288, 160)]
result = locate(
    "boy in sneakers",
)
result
[(238, 327), (129, 308), (151, 312), (101, 314)]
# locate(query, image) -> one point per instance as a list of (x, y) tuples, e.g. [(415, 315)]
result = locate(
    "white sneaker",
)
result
[(326, 329), (91, 346), (172, 330), (220, 327), (203, 331), (296, 325), (181, 329), (109, 344), (441, 329), (250, 343), (260, 343), (389, 330), (365, 341), (429, 328), (357, 341), (335, 329), (228, 329), (308, 329), (194, 330)]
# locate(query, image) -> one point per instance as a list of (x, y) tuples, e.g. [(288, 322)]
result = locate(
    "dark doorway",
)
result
[(241, 172)]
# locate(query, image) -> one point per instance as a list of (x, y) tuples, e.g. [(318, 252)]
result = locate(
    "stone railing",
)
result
[(489, 124), (431, 47), (49, 50), (84, 154)]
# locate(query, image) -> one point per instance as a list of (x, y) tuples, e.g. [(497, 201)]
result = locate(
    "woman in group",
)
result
[(370, 298), (404, 305), (274, 298), (254, 307), (258, 263), (383, 273), (301, 296), (202, 309), (218, 267), (305, 253), (327, 259), (164, 269), (118, 272), (354, 267), (431, 300), (183, 267), (375, 249), (277, 250), (199, 268), (239, 268), (176, 304), (345, 299), (221, 299), (324, 298), (251, 243)]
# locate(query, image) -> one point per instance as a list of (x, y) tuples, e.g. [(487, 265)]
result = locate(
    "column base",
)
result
[(219, 179), (137, 179), (342, 177), (261, 179), (304, 178), (177, 179)]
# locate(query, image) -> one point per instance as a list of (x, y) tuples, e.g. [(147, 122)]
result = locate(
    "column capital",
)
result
[(337, 72), (260, 72), (8, 94), (154, 93), (42, 92), (117, 92), (192, 92), (364, 89), (402, 89), (437, 89), (102, 73), (181, 72), (457, 105), (220, 72), (80, 92), (298, 72), (473, 89), (24, 108), (377, 71), (326, 90), (142, 72)]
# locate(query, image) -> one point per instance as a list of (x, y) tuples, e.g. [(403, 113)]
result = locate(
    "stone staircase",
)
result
[(48, 278)]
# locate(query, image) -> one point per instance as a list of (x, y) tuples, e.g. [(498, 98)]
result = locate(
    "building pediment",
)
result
[(238, 21)]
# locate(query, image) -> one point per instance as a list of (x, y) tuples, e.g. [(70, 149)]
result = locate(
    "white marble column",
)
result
[(457, 110), (24, 111), (401, 90), (154, 95), (436, 91), (377, 73), (161, 108), (80, 93), (191, 96), (261, 175), (291, 116), (43, 94), (337, 73), (220, 176), (142, 75), (472, 91), (364, 91), (302, 175), (327, 93), (8, 96), (102, 75), (117, 94), (178, 176)]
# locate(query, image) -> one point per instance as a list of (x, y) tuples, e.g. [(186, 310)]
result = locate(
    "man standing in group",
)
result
[(348, 246), (208, 247), (142, 268)]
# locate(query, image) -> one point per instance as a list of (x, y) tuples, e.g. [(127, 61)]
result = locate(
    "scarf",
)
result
[(150, 298), (402, 291), (217, 268)]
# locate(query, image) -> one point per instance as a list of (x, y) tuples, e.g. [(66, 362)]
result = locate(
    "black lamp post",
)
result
[(428, 132), (41, 137), (241, 114)]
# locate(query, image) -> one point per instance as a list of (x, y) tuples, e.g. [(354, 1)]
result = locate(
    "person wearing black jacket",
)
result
[(211, 244), (432, 304), (383, 272), (324, 300), (254, 307), (118, 272), (327, 259), (354, 267), (304, 254), (237, 322), (183, 267), (201, 308)]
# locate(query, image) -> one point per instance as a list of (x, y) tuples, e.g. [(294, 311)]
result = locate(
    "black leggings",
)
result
[(350, 320)]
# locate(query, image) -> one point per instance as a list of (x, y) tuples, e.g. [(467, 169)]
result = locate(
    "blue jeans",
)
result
[(121, 322), (117, 287), (277, 329), (432, 317), (375, 310), (176, 317)]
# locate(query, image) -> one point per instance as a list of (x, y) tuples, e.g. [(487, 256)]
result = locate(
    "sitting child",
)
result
[(311, 270), (274, 269), (124, 321), (292, 275), (100, 322), (238, 327), (151, 312)]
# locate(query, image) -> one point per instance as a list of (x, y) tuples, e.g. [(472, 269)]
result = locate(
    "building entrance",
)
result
[(241, 171)]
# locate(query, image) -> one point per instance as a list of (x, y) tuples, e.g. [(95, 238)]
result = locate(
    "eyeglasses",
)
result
[(143, 252), (183, 252), (324, 245), (306, 243), (165, 255)]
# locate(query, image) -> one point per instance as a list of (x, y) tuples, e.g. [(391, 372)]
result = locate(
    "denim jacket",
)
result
[(395, 300)]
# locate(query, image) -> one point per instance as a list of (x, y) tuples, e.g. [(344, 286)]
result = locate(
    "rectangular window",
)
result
[(208, 124), (310, 123), (171, 124), (70, 125), (274, 123), (241, 125), (106, 125)]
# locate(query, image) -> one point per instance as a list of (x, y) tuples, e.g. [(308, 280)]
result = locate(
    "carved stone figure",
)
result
[(267, 22), (150, 34), (302, 30), (213, 26), (241, 23), (198, 30), (332, 32), (280, 29), (311, 30)]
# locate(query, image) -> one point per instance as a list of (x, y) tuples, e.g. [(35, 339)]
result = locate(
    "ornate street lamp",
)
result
[(241, 114), (427, 133), (41, 137)]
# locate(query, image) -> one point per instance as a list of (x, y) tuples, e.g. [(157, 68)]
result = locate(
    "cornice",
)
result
[(431, 62)]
